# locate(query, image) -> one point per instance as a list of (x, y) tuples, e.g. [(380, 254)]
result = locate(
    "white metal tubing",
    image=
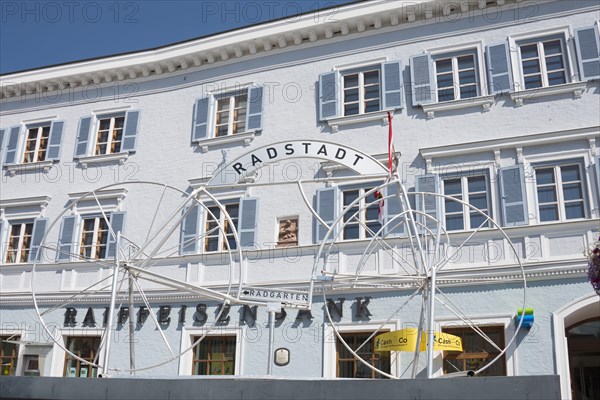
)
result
[(131, 327), (111, 308), (271, 342), (431, 324)]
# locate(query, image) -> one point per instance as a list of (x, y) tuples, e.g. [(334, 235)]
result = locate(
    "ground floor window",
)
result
[(584, 359), (477, 351), (85, 347), (9, 353), (214, 355), (349, 366)]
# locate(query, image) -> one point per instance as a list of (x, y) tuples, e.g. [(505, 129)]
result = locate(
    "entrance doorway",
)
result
[(583, 341)]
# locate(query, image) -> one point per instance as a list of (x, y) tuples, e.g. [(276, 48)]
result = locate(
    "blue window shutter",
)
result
[(429, 205), (56, 134), (202, 127), (329, 95), (392, 207), (499, 72), (2, 134), (83, 136), (587, 41), (327, 208), (392, 85), (188, 242), (130, 130), (39, 229), (117, 219), (513, 196), (255, 109), (11, 146), (66, 239), (597, 182), (248, 221), (423, 84)]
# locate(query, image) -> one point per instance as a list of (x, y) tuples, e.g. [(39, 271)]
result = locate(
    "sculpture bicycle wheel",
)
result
[(409, 255), (109, 264)]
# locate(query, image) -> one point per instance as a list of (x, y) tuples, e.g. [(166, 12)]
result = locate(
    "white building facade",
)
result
[(494, 103)]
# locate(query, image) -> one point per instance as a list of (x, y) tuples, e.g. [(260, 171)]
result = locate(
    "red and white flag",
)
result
[(392, 159)]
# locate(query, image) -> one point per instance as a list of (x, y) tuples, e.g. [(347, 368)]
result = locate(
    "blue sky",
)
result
[(40, 33)]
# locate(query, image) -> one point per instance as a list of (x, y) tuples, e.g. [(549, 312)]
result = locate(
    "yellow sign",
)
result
[(406, 339)]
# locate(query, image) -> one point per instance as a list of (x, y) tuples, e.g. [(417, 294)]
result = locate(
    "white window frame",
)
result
[(23, 224), (231, 97), (361, 89), (506, 320), (456, 76), (542, 61), (361, 204), (22, 335), (466, 213), (204, 220), (102, 117), (40, 129), (187, 334), (559, 190), (330, 340), (58, 353), (97, 221)]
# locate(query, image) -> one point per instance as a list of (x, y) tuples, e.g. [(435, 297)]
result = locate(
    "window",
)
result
[(456, 77), (560, 192), (94, 238), (36, 144), (19, 242), (217, 239), (214, 355), (472, 189), (9, 354), (231, 114), (477, 351), (349, 367), (109, 135), (85, 347), (226, 116), (364, 223), (357, 90), (542, 62), (362, 91)]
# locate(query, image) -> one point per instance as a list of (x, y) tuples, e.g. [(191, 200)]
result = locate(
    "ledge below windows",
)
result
[(246, 137), (335, 123), (42, 166), (577, 88), (86, 161), (482, 101)]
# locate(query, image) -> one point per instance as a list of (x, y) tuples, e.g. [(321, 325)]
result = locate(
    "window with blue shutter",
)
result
[(587, 42), (327, 208), (55, 140), (394, 225), (130, 130), (188, 243), (248, 221), (392, 85), (66, 239), (422, 79), (117, 220), (499, 72), (83, 137), (329, 95), (255, 108), (427, 204), (513, 198), (12, 145), (39, 230), (2, 134)]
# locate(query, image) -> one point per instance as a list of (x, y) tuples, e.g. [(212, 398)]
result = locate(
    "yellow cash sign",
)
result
[(406, 340)]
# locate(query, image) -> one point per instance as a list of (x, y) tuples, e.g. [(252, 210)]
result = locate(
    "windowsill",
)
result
[(482, 101), (335, 123), (246, 137), (85, 161), (34, 166), (577, 88)]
